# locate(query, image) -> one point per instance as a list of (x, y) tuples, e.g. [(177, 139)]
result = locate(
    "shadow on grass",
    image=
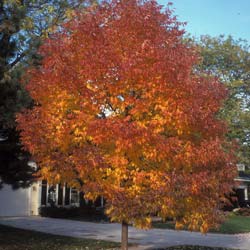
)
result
[(19, 239)]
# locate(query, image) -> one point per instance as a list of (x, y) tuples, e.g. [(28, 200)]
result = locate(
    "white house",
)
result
[(243, 185), (27, 201), (19, 202)]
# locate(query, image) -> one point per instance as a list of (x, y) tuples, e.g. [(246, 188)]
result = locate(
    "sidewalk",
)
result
[(145, 239)]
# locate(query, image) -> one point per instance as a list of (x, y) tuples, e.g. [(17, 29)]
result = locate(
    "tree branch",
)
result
[(18, 59)]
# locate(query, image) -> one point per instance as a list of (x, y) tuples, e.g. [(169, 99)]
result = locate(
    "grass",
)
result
[(19, 239), (234, 224), (193, 248), (164, 225)]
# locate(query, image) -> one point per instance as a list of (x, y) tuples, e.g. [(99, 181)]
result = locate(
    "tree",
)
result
[(23, 25), (228, 59), (118, 107), (13, 97)]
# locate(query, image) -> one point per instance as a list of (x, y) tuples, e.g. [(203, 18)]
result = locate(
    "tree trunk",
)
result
[(124, 236)]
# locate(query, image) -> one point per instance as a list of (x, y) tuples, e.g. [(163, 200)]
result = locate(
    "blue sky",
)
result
[(214, 17)]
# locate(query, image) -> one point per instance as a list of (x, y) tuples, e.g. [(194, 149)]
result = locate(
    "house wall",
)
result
[(27, 201), (14, 202)]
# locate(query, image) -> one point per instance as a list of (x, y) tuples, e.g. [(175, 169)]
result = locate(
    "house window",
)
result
[(60, 195), (67, 195), (240, 167), (74, 196), (44, 193), (246, 193), (99, 203), (52, 195)]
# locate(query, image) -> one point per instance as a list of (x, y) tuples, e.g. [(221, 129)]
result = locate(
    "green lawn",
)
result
[(19, 239), (234, 224)]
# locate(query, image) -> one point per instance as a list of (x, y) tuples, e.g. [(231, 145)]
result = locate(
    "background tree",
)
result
[(12, 97), (23, 26), (118, 106), (229, 60)]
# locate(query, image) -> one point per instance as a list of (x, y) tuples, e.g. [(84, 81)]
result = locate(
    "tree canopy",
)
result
[(229, 59), (119, 107)]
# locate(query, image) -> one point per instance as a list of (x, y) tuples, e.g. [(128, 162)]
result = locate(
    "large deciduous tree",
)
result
[(119, 109)]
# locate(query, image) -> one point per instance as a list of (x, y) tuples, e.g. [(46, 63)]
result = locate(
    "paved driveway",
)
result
[(145, 239)]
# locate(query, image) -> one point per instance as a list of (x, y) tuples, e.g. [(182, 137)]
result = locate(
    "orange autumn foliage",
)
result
[(119, 107)]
